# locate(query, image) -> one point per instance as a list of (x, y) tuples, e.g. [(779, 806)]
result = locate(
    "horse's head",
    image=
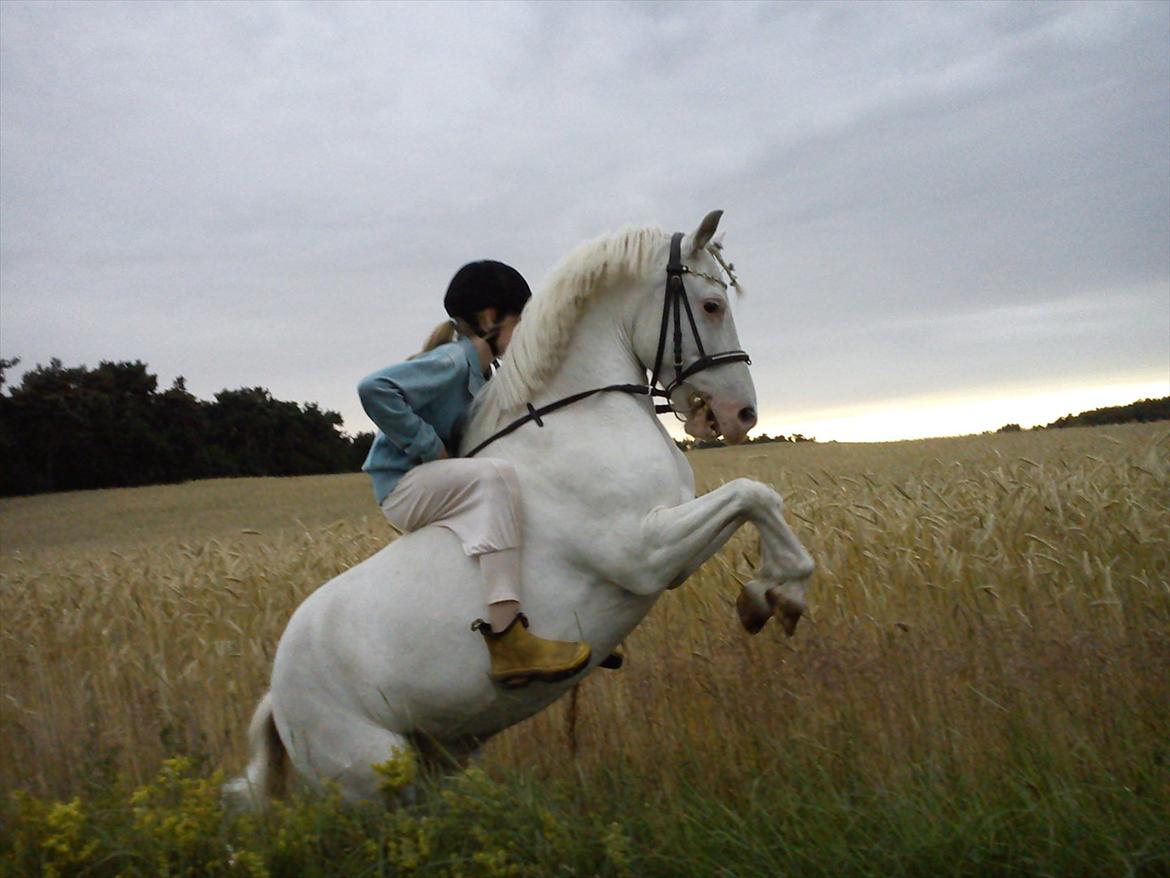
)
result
[(686, 335)]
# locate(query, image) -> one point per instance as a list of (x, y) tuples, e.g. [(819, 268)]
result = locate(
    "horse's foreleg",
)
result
[(676, 540), (785, 567), (708, 550)]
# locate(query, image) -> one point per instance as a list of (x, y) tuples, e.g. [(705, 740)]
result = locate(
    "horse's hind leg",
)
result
[(346, 751)]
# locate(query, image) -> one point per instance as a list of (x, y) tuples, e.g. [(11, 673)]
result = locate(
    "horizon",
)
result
[(930, 416)]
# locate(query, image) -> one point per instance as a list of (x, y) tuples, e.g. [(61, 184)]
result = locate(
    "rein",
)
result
[(674, 302)]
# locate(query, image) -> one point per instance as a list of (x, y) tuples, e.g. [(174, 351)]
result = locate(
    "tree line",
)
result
[(1143, 411), (73, 428), (761, 439)]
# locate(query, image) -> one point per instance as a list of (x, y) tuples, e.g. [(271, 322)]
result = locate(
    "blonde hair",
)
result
[(442, 334)]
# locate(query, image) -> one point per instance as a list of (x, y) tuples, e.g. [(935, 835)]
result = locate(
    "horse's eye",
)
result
[(711, 307)]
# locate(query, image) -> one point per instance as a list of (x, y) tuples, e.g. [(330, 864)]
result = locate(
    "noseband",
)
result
[(674, 302)]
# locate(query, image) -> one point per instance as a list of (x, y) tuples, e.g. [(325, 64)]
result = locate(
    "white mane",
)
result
[(542, 337)]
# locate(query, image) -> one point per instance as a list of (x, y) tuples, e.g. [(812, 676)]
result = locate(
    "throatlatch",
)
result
[(674, 302)]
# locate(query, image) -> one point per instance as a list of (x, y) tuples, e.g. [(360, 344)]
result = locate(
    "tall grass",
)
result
[(982, 686)]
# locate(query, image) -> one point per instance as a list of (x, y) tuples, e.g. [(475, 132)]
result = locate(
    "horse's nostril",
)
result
[(747, 414)]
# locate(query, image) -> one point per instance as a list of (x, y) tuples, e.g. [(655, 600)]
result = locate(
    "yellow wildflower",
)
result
[(396, 773)]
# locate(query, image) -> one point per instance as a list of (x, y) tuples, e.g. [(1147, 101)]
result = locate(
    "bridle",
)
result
[(675, 301)]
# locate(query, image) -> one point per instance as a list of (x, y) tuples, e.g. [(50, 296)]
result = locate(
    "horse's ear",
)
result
[(706, 230)]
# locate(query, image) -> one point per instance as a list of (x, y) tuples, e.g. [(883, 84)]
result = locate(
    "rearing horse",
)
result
[(381, 657)]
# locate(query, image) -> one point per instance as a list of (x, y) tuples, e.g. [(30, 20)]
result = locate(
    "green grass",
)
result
[(609, 823)]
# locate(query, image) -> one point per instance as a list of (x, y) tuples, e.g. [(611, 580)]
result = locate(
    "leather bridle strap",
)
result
[(535, 414)]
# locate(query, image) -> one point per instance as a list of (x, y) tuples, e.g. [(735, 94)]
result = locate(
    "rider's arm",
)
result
[(392, 396)]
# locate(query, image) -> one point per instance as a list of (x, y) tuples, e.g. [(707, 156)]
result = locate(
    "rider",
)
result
[(420, 407)]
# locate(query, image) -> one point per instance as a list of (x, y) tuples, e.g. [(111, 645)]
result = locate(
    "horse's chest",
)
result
[(620, 481)]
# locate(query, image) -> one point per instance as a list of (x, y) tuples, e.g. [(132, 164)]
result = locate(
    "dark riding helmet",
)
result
[(486, 284)]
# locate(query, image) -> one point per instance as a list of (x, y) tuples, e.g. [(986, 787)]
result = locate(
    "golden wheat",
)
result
[(971, 594)]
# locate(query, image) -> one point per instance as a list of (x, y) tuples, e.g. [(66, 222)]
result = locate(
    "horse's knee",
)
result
[(760, 493), (757, 499)]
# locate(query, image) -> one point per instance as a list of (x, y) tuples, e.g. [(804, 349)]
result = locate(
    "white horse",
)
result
[(381, 659)]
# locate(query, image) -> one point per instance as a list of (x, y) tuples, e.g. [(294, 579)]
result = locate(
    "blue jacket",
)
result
[(419, 407)]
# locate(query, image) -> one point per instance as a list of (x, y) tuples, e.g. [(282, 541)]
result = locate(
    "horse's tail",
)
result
[(266, 776)]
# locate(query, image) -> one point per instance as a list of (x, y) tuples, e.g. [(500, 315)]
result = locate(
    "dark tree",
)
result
[(67, 428), (1142, 411), (359, 449)]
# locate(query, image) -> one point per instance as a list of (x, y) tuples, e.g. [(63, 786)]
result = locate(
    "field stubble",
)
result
[(989, 634)]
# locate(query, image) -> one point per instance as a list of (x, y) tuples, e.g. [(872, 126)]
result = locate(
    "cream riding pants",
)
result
[(478, 500)]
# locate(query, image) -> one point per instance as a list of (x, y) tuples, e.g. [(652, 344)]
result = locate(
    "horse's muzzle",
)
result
[(733, 420)]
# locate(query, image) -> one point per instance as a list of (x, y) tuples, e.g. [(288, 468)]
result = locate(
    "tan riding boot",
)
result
[(518, 657)]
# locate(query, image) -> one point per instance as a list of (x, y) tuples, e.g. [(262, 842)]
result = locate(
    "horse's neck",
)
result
[(613, 444), (621, 426), (600, 352)]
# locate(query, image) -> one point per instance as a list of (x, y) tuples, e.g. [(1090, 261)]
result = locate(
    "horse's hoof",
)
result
[(753, 612), (787, 610)]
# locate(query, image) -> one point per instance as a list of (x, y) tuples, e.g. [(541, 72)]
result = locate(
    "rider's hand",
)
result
[(443, 455), (481, 347), (484, 351)]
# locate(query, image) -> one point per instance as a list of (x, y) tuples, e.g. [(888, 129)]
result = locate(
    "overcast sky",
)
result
[(940, 202)]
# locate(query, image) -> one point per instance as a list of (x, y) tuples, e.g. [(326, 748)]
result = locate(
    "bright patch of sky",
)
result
[(940, 415), (967, 202)]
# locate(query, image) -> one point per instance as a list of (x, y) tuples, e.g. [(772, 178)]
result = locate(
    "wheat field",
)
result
[(982, 684)]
